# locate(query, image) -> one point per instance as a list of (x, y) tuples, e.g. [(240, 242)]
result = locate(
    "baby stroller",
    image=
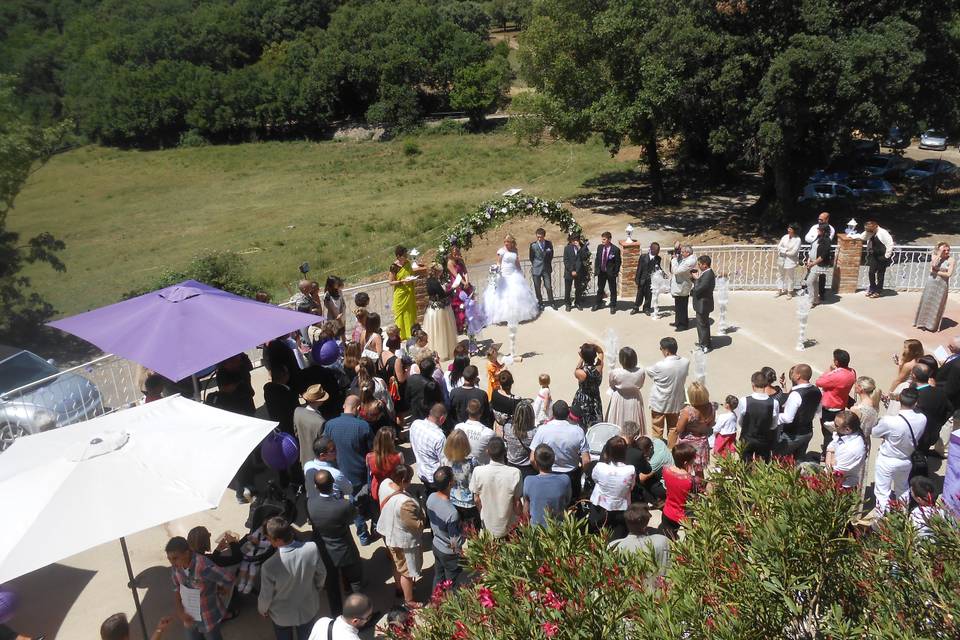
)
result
[(256, 548)]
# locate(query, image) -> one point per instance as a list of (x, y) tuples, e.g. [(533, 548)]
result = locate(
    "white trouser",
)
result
[(891, 475), (786, 278), (813, 289)]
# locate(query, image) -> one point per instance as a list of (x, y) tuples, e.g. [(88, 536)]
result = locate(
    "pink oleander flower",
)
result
[(554, 601), (485, 596), (550, 629)]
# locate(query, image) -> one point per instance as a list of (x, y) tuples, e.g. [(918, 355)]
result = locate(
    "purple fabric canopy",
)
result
[(184, 328)]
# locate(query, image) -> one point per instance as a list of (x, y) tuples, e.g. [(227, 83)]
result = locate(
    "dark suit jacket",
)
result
[(541, 261), (414, 395), (331, 519), (646, 267), (459, 398), (281, 402), (613, 262), (572, 261), (702, 292), (934, 404), (948, 379)]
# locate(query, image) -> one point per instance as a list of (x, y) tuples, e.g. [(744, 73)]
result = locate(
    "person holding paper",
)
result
[(404, 297), (197, 583)]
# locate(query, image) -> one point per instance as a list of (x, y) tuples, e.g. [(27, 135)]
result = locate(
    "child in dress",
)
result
[(493, 370), (725, 429), (543, 404)]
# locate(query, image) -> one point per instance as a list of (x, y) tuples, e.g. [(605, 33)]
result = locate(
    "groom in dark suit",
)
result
[(541, 265), (702, 294), (573, 270), (607, 266), (649, 262)]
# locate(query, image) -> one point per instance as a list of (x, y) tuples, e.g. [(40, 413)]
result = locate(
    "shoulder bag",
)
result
[(918, 459)]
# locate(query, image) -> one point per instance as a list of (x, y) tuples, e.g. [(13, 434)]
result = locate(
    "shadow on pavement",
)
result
[(43, 606)]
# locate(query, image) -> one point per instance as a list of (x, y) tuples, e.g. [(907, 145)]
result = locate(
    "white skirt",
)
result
[(512, 300)]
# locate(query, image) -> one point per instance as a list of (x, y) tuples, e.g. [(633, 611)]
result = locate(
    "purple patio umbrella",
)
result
[(184, 328)]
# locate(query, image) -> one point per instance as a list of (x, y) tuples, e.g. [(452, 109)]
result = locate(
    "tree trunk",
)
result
[(784, 183), (653, 160)]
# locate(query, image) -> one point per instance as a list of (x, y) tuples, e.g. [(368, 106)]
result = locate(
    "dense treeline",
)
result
[(154, 72)]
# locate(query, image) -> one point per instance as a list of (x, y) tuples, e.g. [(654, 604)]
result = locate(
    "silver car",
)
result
[(933, 139), (35, 398)]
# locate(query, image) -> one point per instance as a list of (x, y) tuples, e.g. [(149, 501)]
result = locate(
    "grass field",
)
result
[(342, 206)]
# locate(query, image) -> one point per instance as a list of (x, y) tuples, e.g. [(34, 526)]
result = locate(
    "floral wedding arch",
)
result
[(492, 214)]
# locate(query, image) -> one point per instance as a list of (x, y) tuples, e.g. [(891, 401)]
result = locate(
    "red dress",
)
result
[(378, 475)]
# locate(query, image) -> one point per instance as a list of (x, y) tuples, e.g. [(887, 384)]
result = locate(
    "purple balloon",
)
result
[(280, 450), (8, 605), (326, 353)]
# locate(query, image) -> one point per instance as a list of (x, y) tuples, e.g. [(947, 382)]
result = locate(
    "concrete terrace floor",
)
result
[(70, 599)]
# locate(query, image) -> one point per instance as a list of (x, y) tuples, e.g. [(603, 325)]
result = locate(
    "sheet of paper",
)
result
[(941, 354), (190, 598)]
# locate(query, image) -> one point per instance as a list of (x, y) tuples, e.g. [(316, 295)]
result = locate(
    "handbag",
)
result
[(918, 459)]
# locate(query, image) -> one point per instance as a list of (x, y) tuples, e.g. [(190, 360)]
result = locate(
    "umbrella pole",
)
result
[(133, 586), (196, 388)]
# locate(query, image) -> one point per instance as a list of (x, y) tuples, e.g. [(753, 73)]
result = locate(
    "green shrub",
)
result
[(411, 148), (192, 138), (224, 270)]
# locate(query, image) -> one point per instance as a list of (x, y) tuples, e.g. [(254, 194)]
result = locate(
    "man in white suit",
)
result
[(682, 265), (669, 378)]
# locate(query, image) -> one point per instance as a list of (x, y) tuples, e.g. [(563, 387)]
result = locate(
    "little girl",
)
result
[(543, 404), (493, 369), (725, 430)]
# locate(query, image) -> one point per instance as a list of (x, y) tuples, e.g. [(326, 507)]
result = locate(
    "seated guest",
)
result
[(680, 482), (614, 480), (642, 540), (649, 456), (546, 494), (569, 444)]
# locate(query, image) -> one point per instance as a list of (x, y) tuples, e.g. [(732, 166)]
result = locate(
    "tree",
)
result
[(481, 88), (22, 145)]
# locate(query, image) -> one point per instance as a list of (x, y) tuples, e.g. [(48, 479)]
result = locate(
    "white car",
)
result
[(933, 139), (827, 191)]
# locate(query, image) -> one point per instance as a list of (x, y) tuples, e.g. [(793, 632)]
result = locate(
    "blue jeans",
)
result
[(286, 633), (194, 633), (359, 521)]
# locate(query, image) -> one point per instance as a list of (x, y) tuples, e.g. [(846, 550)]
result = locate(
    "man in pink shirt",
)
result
[(835, 385)]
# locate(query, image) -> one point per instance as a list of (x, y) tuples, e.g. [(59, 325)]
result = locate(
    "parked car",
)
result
[(865, 148), (824, 175), (57, 402), (933, 139), (928, 169), (887, 165), (872, 187), (896, 139), (826, 191)]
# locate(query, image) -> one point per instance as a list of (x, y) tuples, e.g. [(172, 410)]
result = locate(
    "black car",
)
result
[(896, 139)]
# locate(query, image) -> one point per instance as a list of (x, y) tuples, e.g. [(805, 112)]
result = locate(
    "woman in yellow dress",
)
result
[(404, 298)]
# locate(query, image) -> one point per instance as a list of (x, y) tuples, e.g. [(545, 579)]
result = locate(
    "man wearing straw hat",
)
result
[(307, 421)]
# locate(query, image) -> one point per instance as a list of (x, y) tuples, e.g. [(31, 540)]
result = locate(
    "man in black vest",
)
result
[(648, 264), (799, 411), (879, 255), (934, 404), (758, 420)]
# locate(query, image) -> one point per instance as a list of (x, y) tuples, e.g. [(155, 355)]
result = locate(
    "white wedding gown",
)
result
[(511, 299)]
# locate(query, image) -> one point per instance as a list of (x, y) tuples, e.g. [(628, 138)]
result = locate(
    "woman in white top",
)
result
[(614, 480), (847, 452), (788, 250)]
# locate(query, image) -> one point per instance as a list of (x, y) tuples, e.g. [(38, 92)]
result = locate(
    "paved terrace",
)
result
[(70, 599)]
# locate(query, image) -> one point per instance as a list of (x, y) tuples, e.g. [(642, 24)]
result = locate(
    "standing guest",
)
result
[(494, 367), (867, 404), (330, 517), (912, 351), (788, 252), (497, 490), (799, 411), (438, 320), (545, 494), (290, 582), (773, 389), (461, 397), (383, 459), (543, 403), (614, 480), (666, 398), (116, 627), (334, 305), (626, 400), (502, 401), (427, 441), (935, 289), (477, 433), (607, 267), (307, 421), (198, 578), (835, 384), (682, 266), (758, 421), (456, 455), (353, 439), (847, 451), (933, 403), (153, 386), (541, 265), (357, 614), (648, 264), (447, 532), (641, 540), (574, 266), (822, 219), (589, 374), (879, 255), (401, 525), (725, 430), (569, 444), (900, 434), (325, 457), (280, 399), (819, 265), (416, 388), (680, 482), (518, 432), (303, 301), (371, 339), (360, 315), (404, 298), (459, 284), (702, 294), (695, 425), (948, 375), (453, 379), (229, 396)]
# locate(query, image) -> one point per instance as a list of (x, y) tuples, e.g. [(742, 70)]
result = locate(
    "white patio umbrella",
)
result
[(116, 475)]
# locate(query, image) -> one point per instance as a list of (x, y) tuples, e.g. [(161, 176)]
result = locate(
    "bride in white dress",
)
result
[(510, 299)]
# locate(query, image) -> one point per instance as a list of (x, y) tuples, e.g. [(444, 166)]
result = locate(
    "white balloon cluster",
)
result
[(722, 292), (659, 283), (804, 304)]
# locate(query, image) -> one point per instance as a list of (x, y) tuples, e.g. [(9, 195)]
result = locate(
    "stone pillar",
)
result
[(420, 290), (846, 270), (630, 259)]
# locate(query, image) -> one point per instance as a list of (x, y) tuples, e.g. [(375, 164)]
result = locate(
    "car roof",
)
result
[(7, 351)]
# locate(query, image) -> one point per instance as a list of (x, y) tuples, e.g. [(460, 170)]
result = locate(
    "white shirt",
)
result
[(812, 234), (427, 440), (920, 516), (342, 630), (850, 452), (883, 236), (897, 442), (726, 424), (756, 395), (788, 250), (792, 404), (479, 435), (669, 377), (613, 484)]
